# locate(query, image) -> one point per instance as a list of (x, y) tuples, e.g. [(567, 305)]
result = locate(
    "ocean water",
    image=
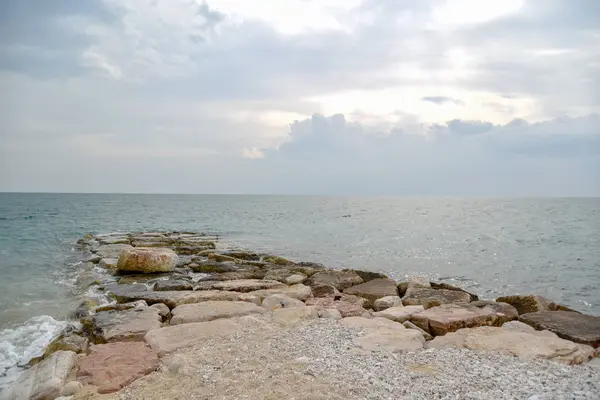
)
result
[(490, 246)]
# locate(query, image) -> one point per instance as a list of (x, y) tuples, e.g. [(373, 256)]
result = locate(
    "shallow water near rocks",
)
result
[(489, 246)]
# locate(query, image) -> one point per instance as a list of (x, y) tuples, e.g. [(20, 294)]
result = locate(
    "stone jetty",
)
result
[(168, 294)]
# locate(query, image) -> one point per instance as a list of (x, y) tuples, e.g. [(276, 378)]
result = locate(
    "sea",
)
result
[(490, 246)]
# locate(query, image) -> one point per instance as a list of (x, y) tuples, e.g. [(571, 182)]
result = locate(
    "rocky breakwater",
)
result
[(173, 291)]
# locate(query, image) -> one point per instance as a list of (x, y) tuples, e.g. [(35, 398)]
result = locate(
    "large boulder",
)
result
[(452, 317), (121, 326), (147, 260), (113, 366), (504, 311), (294, 315), (367, 275), (211, 310), (387, 302), (299, 291), (374, 290), (543, 344), (579, 328), (530, 303), (168, 339), (277, 301), (433, 297), (347, 305), (442, 285), (68, 342), (45, 380), (399, 313), (338, 279)]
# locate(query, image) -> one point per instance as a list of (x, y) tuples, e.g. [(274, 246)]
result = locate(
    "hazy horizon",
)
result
[(357, 97)]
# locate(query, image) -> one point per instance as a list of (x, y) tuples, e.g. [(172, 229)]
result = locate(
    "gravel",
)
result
[(318, 360)]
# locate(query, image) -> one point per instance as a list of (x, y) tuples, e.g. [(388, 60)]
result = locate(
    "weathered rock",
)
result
[(387, 302), (69, 342), (419, 281), (112, 250), (452, 317), (410, 325), (173, 284), (250, 298), (243, 255), (71, 389), (163, 310), (147, 260), (373, 290), (295, 279), (122, 326), (171, 338), (517, 326), (295, 315), (122, 306), (140, 278), (399, 313), (531, 303), (276, 260), (94, 259), (402, 288), (347, 305), (190, 250), (211, 310), (278, 301), (432, 298), (242, 285), (87, 279), (442, 285), (338, 279), (108, 263), (173, 299), (504, 311), (113, 366), (329, 313), (44, 381), (367, 276), (212, 266), (325, 291), (372, 323), (84, 309), (300, 292), (308, 268), (543, 344), (579, 328), (392, 340), (237, 275)]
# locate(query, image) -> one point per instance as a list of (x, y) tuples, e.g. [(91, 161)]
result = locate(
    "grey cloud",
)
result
[(442, 100)]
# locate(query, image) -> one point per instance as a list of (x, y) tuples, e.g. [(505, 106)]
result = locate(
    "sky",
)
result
[(332, 97)]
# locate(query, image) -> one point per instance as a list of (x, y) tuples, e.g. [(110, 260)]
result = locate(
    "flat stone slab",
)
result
[(443, 285), (452, 317), (374, 289), (171, 338), (121, 326), (241, 285), (173, 284), (372, 323), (542, 344), (527, 303), (387, 302), (579, 328), (147, 260), (295, 315), (504, 311), (348, 305), (113, 366), (434, 297), (211, 310), (111, 250), (338, 279), (400, 313), (391, 340), (175, 298), (299, 291), (46, 379), (277, 301)]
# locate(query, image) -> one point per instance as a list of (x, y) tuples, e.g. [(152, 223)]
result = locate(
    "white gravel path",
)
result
[(318, 360)]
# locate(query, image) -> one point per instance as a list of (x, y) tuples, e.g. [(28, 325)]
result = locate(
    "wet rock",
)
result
[(44, 381), (168, 339), (387, 302), (433, 297), (579, 328), (338, 279), (295, 315), (147, 260), (173, 284), (243, 255), (277, 301), (211, 310), (85, 308), (69, 342), (441, 285), (122, 326), (532, 303), (108, 263), (399, 313), (300, 292), (94, 259), (276, 260), (113, 366), (111, 250), (452, 317), (367, 276), (122, 306), (504, 311), (374, 290), (87, 279), (521, 344)]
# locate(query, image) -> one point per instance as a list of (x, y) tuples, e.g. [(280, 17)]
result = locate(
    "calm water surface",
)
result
[(491, 246)]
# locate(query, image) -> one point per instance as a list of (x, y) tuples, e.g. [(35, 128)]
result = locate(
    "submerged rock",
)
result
[(579, 328), (147, 260), (113, 366)]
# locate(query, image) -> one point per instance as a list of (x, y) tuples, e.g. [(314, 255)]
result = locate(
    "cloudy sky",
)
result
[(350, 97)]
